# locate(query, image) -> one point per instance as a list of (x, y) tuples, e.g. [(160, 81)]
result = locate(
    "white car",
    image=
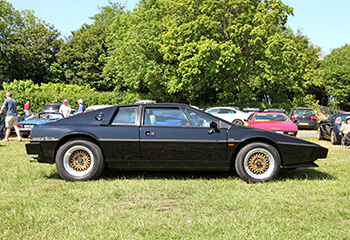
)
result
[(229, 114)]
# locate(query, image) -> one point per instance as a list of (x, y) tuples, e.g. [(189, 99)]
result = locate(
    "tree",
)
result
[(134, 63), (28, 46), (83, 56), (336, 67), (232, 51)]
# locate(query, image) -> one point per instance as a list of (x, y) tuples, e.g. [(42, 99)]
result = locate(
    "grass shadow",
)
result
[(298, 174), (304, 173)]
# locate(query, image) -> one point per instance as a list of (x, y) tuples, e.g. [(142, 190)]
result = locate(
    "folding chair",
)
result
[(345, 141)]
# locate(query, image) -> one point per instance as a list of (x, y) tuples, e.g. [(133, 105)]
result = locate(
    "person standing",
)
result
[(345, 127), (26, 108), (11, 119), (65, 108), (81, 108)]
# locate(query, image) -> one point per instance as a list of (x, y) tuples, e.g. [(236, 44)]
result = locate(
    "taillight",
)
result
[(56, 110), (43, 110), (293, 117), (19, 126), (313, 117)]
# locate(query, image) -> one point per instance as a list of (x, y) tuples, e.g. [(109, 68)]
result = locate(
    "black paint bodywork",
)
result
[(140, 147)]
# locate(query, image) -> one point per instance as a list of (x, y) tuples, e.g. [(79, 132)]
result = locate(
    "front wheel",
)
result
[(319, 134), (334, 139), (258, 162), (79, 160)]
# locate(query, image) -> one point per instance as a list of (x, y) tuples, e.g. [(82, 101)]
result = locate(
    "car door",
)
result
[(180, 138), (121, 144)]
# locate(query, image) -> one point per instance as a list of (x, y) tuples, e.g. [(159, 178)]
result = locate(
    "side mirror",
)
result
[(214, 128), (294, 120)]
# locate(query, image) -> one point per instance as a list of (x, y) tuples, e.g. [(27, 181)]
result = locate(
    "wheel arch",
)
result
[(76, 136), (253, 140)]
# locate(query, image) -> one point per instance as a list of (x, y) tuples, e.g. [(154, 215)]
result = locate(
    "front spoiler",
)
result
[(301, 165)]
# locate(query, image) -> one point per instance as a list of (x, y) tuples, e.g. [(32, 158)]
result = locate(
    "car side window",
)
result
[(226, 111), (165, 117), (337, 120), (126, 115), (198, 119), (213, 111)]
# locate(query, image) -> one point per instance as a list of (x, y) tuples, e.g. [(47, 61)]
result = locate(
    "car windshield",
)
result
[(45, 116), (270, 117), (304, 112)]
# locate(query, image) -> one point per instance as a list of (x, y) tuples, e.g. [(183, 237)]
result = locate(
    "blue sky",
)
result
[(323, 21)]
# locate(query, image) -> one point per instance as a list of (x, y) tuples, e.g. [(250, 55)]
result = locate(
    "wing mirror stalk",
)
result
[(214, 128)]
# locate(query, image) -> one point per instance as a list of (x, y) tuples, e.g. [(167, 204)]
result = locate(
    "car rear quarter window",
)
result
[(125, 115)]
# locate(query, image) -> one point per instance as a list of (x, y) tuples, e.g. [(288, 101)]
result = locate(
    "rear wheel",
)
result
[(237, 122), (334, 139), (258, 162), (345, 143), (319, 134), (79, 160)]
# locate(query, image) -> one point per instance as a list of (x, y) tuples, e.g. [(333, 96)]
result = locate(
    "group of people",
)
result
[(11, 119), (66, 110)]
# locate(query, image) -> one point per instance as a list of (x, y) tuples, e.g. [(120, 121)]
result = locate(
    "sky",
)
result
[(66, 15), (324, 22)]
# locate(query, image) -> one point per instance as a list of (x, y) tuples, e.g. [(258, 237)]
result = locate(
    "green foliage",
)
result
[(336, 67), (135, 63), (28, 46), (57, 92)]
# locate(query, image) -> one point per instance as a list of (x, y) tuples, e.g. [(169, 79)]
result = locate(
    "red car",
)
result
[(272, 121)]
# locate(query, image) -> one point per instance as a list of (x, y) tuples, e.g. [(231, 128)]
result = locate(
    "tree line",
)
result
[(208, 52)]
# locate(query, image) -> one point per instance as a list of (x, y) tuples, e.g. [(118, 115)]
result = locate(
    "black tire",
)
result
[(24, 135), (238, 122), (79, 160), (319, 134), (258, 162), (334, 139)]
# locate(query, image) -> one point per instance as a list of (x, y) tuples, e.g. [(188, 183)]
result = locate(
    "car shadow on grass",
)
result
[(304, 173), (297, 174)]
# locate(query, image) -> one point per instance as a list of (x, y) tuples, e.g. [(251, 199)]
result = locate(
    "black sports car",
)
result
[(329, 128), (165, 137)]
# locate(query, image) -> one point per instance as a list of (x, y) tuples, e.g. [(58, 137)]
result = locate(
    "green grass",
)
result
[(301, 204)]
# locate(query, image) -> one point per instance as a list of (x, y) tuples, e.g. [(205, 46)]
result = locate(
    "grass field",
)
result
[(301, 204)]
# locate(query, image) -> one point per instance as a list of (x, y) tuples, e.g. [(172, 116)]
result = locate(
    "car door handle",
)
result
[(150, 133)]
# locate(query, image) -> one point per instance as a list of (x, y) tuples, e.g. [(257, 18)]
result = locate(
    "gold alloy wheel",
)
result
[(80, 160), (258, 163)]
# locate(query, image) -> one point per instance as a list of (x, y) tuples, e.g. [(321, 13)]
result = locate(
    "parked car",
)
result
[(26, 126), (165, 137), (230, 114), (329, 128), (51, 108), (272, 121), (305, 118)]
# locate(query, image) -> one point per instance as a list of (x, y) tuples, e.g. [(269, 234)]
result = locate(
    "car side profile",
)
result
[(229, 114), (329, 128), (164, 137)]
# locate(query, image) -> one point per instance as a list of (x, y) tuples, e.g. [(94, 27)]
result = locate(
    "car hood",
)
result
[(274, 125)]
